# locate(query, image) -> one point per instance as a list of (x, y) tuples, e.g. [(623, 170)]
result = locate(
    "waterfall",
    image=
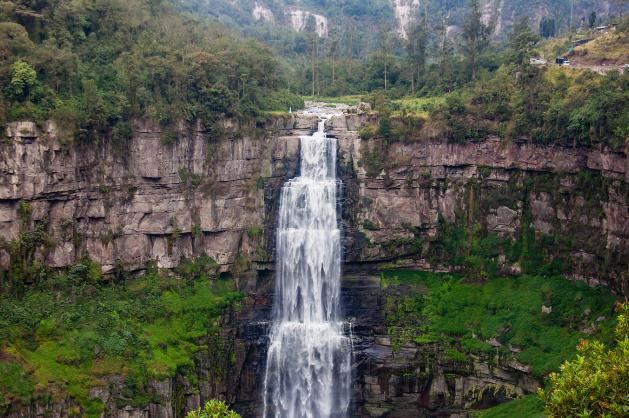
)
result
[(309, 359)]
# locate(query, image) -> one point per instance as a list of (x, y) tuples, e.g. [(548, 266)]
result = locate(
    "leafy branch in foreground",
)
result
[(213, 409), (596, 384)]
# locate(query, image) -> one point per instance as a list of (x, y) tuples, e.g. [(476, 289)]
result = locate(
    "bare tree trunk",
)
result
[(317, 63), (385, 74), (313, 67)]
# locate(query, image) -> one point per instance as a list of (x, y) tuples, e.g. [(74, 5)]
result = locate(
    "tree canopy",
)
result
[(595, 383), (93, 65)]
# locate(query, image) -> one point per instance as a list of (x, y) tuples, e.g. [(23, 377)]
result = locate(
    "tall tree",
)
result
[(547, 27), (314, 58), (384, 49), (416, 50), (523, 41), (592, 19), (475, 36), (334, 48)]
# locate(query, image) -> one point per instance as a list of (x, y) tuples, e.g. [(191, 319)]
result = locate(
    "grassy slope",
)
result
[(64, 343), (610, 48), (465, 316), (529, 406)]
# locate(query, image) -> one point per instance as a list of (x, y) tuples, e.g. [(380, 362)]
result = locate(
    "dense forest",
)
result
[(95, 65), (362, 36)]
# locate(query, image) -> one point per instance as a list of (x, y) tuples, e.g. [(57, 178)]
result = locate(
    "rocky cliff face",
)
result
[(146, 200), (217, 194), (406, 202)]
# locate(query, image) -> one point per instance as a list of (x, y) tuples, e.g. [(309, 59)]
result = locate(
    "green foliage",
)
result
[(281, 100), (85, 272), (255, 231), (369, 225), (367, 132), (241, 264), (468, 241), (459, 128), (22, 78), (373, 157), (100, 65), (190, 179), (595, 383), (24, 268), (15, 384), (384, 127), (261, 183), (475, 36), (213, 409), (547, 27), (202, 266), (522, 41), (463, 317), (152, 328)]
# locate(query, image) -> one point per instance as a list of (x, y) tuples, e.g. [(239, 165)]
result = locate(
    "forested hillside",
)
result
[(94, 65), (341, 47)]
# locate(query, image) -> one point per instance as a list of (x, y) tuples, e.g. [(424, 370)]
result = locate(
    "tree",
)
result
[(547, 27), (213, 409), (315, 62), (475, 36), (14, 40), (334, 49), (595, 383), (384, 48), (592, 19), (523, 41), (23, 78), (416, 50)]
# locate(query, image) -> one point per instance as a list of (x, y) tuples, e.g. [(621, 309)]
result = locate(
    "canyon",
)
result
[(216, 192)]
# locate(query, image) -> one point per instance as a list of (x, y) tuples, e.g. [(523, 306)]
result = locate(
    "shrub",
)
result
[(213, 409), (255, 231), (595, 383), (465, 316), (15, 383), (369, 225), (367, 132), (281, 101), (23, 79), (384, 127)]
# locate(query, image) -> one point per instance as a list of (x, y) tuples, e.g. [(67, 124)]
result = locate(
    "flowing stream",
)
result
[(309, 359)]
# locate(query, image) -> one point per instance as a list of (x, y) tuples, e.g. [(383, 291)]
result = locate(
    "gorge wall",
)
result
[(146, 200), (407, 203), (490, 207)]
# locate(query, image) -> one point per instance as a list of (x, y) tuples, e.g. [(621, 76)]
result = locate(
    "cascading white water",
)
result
[(308, 364)]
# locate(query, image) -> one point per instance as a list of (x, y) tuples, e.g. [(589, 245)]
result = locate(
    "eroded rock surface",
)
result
[(146, 200), (128, 205), (572, 201)]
